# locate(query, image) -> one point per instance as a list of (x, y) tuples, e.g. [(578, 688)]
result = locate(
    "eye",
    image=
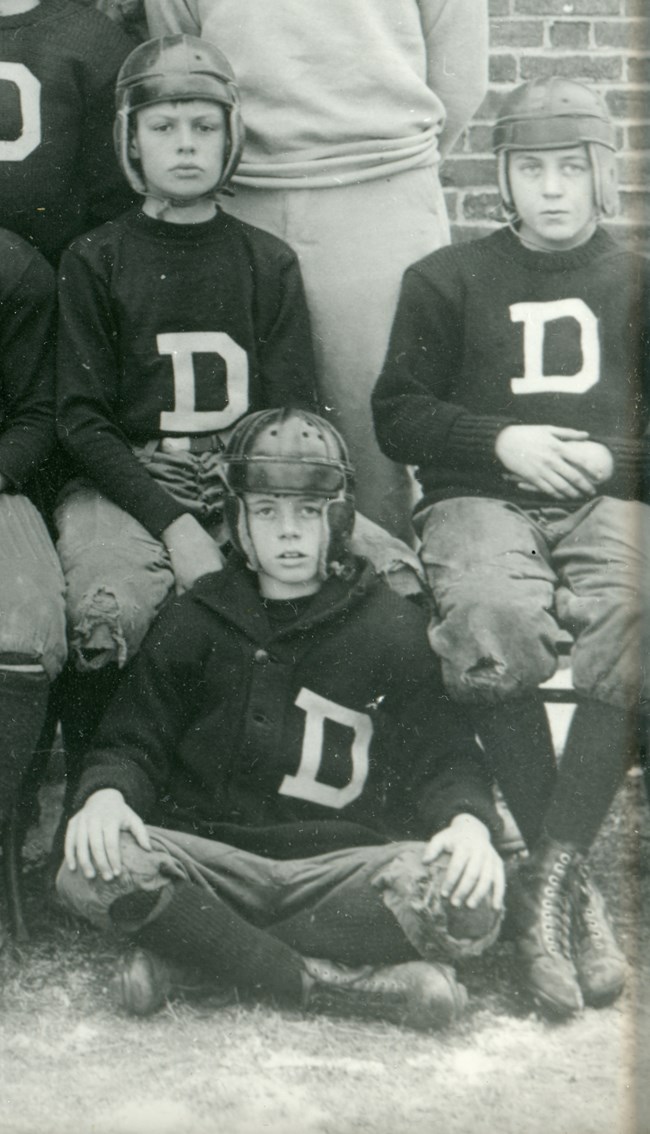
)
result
[(311, 510)]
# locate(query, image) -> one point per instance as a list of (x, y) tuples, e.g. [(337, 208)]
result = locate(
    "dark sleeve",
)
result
[(415, 421), (139, 735), (26, 366), (442, 772), (108, 193), (88, 368), (287, 367)]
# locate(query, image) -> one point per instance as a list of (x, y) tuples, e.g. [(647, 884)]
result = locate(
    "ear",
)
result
[(133, 148)]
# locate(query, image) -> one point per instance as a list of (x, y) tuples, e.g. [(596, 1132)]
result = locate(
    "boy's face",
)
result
[(553, 193), (181, 147), (288, 535)]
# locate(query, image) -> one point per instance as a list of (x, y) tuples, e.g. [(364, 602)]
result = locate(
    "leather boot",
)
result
[(415, 994), (540, 908), (599, 962)]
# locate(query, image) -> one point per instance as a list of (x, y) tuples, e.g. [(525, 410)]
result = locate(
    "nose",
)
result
[(185, 137), (289, 527), (551, 182)]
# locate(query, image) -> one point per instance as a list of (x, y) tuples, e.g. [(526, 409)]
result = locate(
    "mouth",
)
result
[(186, 169)]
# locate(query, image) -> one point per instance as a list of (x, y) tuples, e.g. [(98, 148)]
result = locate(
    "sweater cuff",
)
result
[(472, 439), (131, 782)]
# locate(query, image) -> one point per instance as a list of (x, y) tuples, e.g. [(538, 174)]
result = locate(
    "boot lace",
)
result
[(556, 909)]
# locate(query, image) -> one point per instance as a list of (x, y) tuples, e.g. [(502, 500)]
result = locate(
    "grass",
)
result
[(72, 1063)]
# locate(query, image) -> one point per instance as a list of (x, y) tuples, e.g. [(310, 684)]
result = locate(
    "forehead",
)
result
[(186, 109), (550, 155), (253, 498)]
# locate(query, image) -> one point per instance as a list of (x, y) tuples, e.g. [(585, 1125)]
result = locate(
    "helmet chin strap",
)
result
[(167, 203)]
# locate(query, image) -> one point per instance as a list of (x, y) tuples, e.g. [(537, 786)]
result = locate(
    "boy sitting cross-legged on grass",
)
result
[(282, 797), (517, 381)]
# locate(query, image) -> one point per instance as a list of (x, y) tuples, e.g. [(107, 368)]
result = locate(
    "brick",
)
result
[(631, 236), (480, 206), (594, 68), (570, 34), (634, 169), (568, 7), (629, 35), (491, 105), (516, 33), (499, 7), (451, 201), (503, 68), (638, 70), (634, 206), (636, 7), (480, 139), (628, 104), (465, 172), (638, 137)]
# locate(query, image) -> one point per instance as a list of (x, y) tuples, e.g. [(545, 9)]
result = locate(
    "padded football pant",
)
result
[(363, 905), (354, 243)]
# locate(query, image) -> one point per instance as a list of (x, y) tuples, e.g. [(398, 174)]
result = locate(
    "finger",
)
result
[(98, 853), (479, 890), (577, 477), (466, 884), (455, 868), (84, 860), (566, 434), (434, 848), (139, 831), (112, 847), (498, 886), (70, 849)]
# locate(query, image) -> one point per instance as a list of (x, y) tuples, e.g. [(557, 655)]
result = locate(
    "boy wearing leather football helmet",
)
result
[(285, 728), (175, 321), (514, 383)]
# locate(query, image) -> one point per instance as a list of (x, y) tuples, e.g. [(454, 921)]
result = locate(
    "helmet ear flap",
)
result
[(338, 516)]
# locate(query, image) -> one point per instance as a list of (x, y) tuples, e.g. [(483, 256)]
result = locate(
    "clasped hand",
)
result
[(563, 463), (475, 870)]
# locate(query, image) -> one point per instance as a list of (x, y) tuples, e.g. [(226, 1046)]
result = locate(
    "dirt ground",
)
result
[(71, 1063)]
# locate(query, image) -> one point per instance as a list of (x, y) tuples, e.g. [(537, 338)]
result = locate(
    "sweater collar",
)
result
[(233, 594), (506, 244)]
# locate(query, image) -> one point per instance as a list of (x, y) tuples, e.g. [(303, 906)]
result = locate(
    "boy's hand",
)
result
[(92, 838), (192, 551), (475, 869), (539, 456), (592, 458)]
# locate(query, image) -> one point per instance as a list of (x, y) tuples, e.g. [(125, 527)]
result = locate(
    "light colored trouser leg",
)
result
[(310, 901), (488, 567), (32, 609), (601, 555), (354, 244), (117, 576)]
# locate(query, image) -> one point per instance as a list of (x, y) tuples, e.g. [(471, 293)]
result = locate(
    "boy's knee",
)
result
[(92, 898), (412, 891), (493, 649)]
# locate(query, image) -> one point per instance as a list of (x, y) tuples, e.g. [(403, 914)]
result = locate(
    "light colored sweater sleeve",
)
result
[(170, 17), (456, 36)]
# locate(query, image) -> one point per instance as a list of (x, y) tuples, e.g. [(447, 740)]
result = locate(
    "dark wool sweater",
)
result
[(290, 739), (58, 171), (27, 302), (490, 334), (173, 329)]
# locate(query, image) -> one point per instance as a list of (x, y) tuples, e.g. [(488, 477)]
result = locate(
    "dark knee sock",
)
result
[(23, 708), (196, 928), (600, 746), (518, 745)]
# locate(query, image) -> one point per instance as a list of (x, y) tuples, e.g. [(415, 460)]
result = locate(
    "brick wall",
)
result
[(602, 42)]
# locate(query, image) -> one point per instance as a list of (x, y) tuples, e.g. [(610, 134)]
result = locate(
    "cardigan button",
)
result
[(261, 657)]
